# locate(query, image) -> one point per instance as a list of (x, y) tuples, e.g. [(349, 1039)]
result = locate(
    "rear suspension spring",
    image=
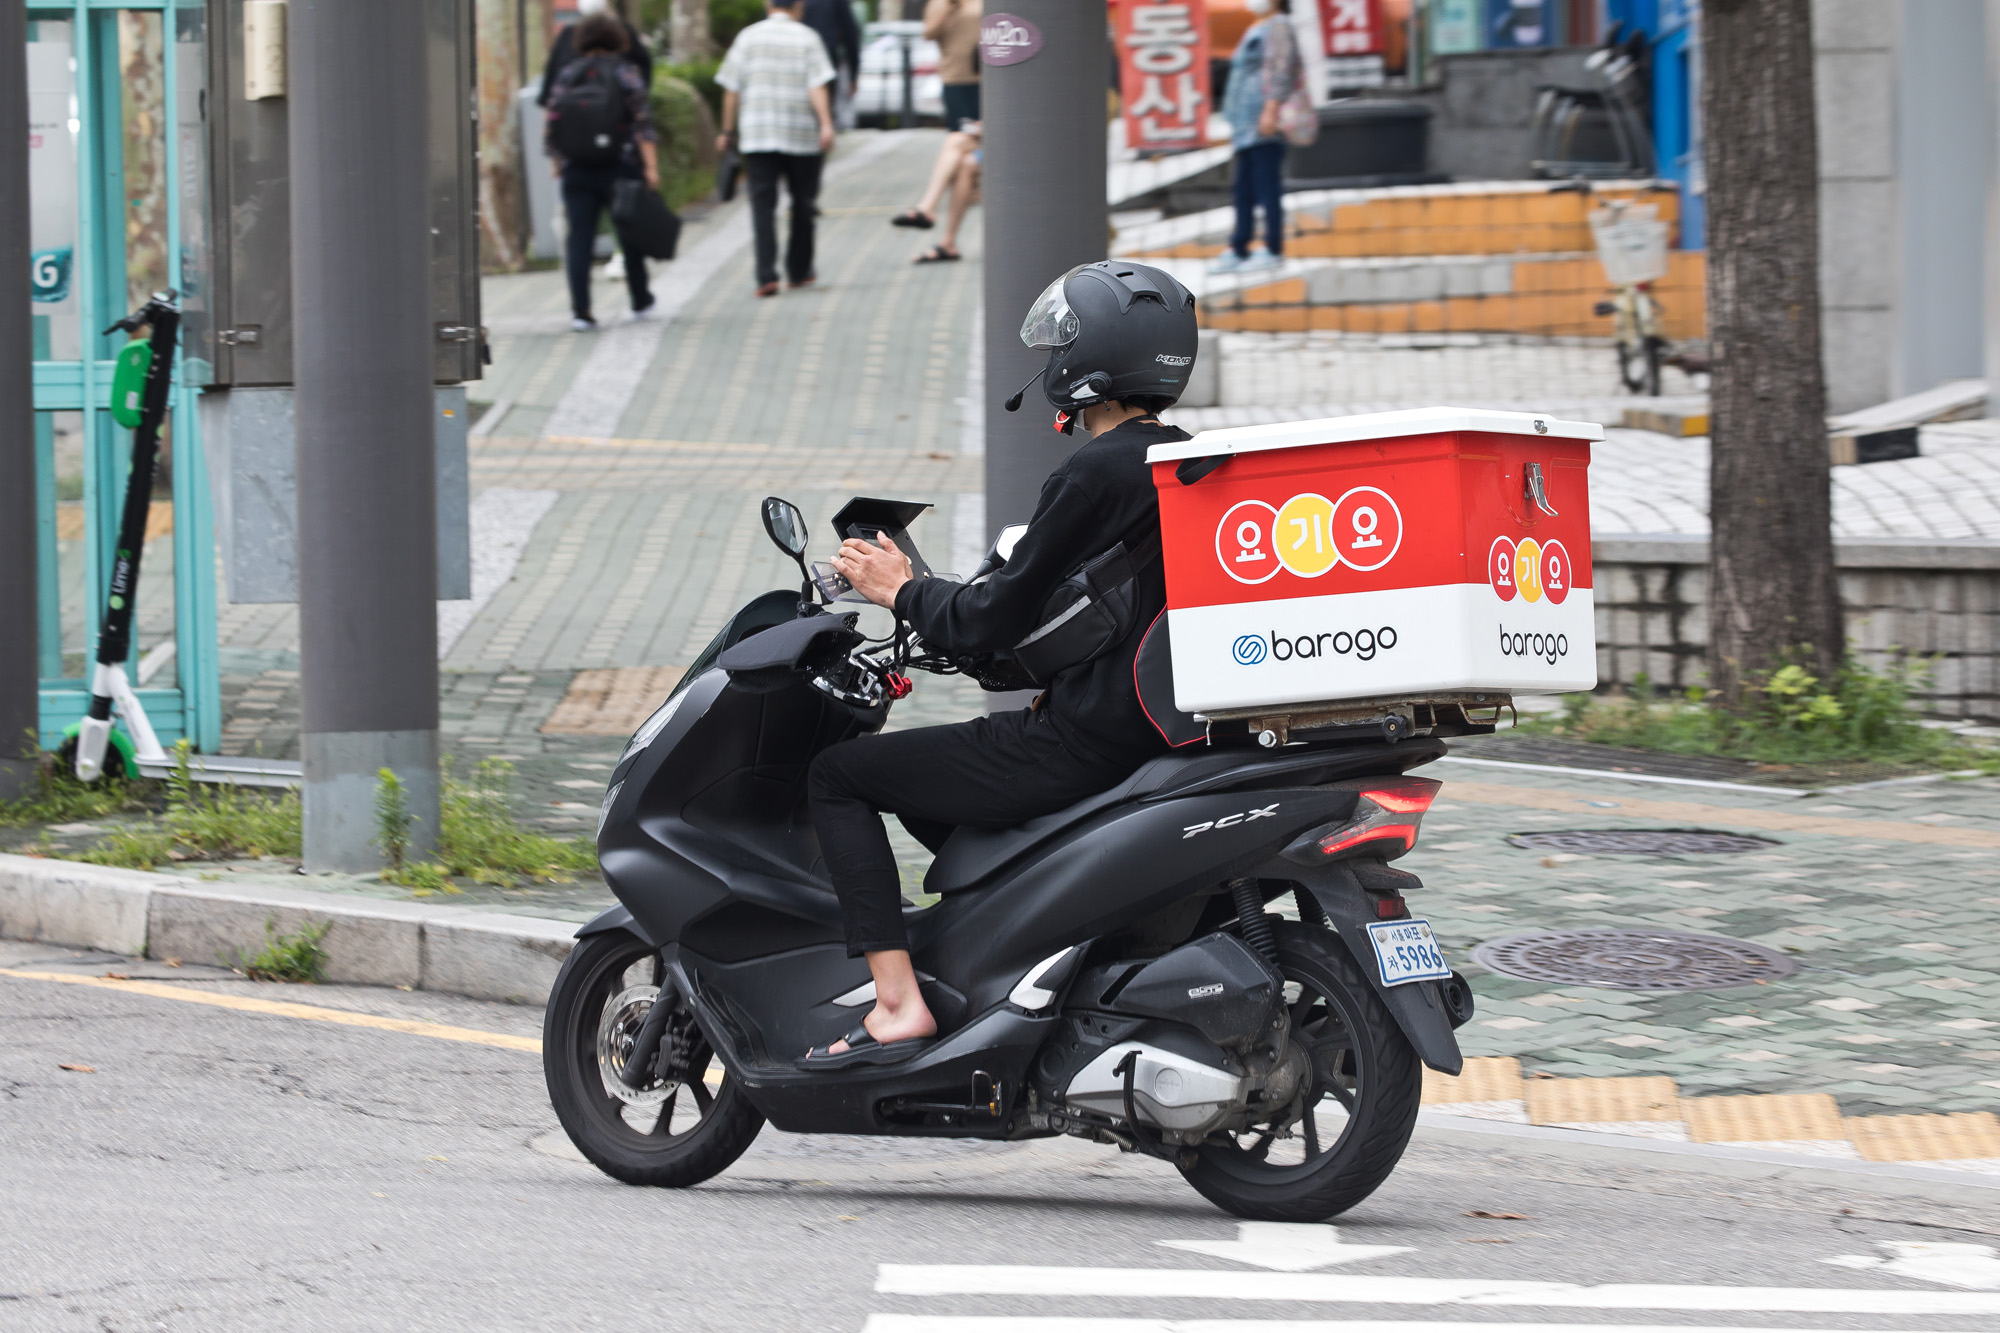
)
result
[(1250, 918)]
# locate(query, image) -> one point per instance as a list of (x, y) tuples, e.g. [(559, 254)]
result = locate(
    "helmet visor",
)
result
[(1050, 322)]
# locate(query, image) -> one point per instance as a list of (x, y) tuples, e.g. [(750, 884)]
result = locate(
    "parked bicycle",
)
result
[(1632, 245)]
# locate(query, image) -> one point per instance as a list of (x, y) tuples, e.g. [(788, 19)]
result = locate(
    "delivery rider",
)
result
[(1121, 341)]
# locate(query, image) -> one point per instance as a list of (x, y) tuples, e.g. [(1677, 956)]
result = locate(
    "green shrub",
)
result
[(1790, 717), (482, 840), (293, 957), (686, 126), (726, 18), (393, 820), (58, 798), (204, 822)]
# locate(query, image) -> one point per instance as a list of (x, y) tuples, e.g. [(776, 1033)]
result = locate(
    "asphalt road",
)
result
[(220, 1168)]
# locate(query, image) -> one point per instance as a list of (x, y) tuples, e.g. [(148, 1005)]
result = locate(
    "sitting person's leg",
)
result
[(991, 772), (964, 193), (956, 146)]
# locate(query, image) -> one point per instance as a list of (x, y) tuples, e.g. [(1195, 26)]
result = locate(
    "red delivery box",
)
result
[(1416, 555)]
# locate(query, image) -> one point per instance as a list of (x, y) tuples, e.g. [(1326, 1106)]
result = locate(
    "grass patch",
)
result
[(1790, 717), (293, 957), (59, 798), (204, 822), (481, 840)]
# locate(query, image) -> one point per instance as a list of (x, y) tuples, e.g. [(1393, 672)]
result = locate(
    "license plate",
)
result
[(1407, 951)]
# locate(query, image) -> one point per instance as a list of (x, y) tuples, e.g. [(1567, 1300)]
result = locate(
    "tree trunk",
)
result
[(691, 39), (503, 210), (1773, 594)]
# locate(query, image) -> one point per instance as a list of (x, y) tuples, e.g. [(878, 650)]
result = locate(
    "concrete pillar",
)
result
[(1045, 213), (366, 474), (18, 648), (1992, 113)]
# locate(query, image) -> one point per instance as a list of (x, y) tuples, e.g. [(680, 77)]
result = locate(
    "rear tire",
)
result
[(672, 1132), (1363, 1067)]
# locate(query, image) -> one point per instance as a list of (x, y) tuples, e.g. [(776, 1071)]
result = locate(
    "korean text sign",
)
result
[(1352, 27), (1163, 73)]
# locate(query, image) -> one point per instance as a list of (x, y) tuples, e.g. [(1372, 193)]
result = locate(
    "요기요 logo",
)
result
[(1309, 535), (1250, 649), (1531, 570)]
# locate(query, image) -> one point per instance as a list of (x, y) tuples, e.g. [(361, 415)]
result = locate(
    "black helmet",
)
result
[(1114, 330)]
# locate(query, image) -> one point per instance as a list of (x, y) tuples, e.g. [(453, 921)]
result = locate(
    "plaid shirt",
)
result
[(772, 67)]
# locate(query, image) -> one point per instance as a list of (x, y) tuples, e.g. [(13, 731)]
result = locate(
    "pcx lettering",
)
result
[(1230, 821), (1362, 643), (1551, 648)]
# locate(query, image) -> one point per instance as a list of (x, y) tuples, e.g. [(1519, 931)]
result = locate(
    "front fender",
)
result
[(616, 918), (1418, 1007)]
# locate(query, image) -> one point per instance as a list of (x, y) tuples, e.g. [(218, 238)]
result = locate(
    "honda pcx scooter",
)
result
[(1111, 971)]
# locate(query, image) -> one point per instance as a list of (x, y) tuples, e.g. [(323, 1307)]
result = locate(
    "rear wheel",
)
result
[(686, 1122), (1308, 1165), (1639, 365)]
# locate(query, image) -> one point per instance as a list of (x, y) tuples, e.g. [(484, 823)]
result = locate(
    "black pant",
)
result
[(801, 175), (1259, 183), (991, 772), (586, 193)]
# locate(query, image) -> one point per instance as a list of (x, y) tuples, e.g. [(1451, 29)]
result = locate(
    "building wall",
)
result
[(1855, 90), (1938, 600)]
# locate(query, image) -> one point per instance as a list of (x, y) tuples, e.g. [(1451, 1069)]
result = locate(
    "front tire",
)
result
[(677, 1129), (1359, 1111)]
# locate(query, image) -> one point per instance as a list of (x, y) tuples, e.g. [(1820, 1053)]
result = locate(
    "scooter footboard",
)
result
[(1419, 1007)]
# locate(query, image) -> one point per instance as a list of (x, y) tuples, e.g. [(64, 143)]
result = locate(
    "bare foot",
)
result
[(887, 1028)]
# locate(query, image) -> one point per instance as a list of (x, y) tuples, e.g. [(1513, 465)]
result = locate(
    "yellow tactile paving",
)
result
[(1486, 1079), (611, 701), (1572, 1101), (1925, 1138), (1788, 1117)]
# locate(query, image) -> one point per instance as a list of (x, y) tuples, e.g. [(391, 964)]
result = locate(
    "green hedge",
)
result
[(687, 139)]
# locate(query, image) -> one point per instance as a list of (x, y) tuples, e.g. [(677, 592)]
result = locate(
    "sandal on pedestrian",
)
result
[(862, 1049), (913, 218), (937, 254)]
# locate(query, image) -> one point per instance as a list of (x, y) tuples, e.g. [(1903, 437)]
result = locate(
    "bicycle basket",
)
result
[(1632, 244)]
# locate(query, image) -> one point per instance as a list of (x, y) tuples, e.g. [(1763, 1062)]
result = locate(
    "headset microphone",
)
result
[(1014, 403)]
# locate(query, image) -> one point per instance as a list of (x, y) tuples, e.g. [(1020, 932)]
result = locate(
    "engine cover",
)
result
[(1169, 1091), (1218, 985)]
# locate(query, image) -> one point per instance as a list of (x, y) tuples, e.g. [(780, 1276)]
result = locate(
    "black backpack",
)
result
[(588, 123)]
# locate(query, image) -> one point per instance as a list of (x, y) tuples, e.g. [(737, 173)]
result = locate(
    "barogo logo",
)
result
[(1362, 644)]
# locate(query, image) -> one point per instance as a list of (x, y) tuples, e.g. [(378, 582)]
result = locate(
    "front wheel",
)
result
[(1639, 365), (684, 1123), (1311, 1162)]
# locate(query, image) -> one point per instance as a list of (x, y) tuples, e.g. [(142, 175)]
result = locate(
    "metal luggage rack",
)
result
[(1392, 718)]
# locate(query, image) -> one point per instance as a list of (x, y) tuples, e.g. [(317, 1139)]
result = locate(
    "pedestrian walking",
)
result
[(834, 21), (563, 49), (954, 26), (1265, 70), (600, 130), (777, 105)]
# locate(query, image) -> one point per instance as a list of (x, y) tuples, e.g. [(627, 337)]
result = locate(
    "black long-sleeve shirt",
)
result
[(834, 21), (1101, 495)]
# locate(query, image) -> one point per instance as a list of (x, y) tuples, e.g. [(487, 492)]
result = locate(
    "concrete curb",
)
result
[(455, 950)]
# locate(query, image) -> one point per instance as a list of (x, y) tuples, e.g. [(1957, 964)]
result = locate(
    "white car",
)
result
[(878, 100)]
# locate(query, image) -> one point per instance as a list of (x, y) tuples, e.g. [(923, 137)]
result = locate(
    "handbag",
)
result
[(1089, 613), (1298, 119), (727, 171), (643, 221)]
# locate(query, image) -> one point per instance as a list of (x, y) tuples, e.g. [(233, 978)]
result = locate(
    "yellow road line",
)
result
[(1777, 821), (285, 1009)]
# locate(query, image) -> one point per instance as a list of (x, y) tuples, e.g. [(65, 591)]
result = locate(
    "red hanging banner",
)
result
[(1163, 73), (1353, 27)]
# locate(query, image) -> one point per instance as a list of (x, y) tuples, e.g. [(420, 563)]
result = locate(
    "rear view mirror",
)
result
[(786, 526), (1009, 538)]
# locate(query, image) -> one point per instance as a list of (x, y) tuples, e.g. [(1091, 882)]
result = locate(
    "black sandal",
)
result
[(912, 218), (937, 254), (862, 1049)]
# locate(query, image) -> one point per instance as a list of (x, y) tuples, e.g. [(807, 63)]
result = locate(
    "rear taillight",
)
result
[(1384, 823)]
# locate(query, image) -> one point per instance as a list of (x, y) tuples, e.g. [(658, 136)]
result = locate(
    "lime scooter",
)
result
[(139, 387)]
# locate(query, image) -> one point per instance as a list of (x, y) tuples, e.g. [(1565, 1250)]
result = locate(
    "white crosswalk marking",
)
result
[(918, 1323), (1290, 1246), (1169, 1283)]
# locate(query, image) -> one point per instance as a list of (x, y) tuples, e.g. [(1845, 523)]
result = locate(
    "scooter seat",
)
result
[(972, 856)]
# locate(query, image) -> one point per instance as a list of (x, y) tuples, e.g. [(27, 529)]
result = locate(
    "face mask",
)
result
[(1258, 7)]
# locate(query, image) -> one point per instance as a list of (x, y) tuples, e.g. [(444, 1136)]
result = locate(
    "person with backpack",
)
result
[(1265, 73), (600, 130), (563, 49)]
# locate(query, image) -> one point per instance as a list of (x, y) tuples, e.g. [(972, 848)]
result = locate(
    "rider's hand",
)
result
[(876, 572)]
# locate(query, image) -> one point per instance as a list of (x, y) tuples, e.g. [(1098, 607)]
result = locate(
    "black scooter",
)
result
[(1110, 971)]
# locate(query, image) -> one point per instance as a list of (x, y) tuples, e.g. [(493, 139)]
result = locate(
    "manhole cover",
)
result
[(1666, 960), (1641, 841)]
